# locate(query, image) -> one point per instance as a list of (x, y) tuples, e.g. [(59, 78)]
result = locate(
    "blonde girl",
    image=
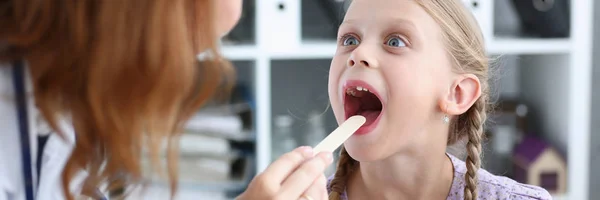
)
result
[(418, 71)]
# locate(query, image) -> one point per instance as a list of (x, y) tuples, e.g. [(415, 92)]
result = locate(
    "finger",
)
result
[(318, 190), (305, 175), (286, 164), (324, 191)]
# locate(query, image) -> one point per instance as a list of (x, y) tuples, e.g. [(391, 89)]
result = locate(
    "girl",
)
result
[(417, 70), (121, 77)]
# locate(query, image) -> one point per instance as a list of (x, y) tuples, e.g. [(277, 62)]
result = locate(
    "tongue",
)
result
[(371, 116)]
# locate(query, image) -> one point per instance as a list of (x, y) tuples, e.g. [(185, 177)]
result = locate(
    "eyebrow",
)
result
[(399, 21), (406, 26)]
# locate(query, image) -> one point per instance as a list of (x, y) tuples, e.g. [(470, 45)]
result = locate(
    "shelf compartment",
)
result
[(542, 19), (300, 105), (321, 18)]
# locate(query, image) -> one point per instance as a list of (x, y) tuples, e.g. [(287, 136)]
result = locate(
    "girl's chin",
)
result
[(365, 156), (366, 153)]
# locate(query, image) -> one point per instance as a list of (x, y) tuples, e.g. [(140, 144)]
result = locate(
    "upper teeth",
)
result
[(352, 91)]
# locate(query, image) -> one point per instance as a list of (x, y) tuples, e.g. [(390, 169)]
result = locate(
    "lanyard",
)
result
[(19, 84)]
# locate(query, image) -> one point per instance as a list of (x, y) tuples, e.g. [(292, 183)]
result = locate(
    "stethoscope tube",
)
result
[(21, 101)]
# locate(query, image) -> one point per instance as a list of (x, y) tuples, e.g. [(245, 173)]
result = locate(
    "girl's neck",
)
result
[(404, 176)]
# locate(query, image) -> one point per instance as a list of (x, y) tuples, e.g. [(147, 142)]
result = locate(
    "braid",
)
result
[(474, 121), (345, 166), (466, 47)]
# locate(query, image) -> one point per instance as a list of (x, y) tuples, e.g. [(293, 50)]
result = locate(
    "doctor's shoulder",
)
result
[(492, 186)]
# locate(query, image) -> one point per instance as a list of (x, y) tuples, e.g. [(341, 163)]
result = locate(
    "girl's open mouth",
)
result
[(361, 99)]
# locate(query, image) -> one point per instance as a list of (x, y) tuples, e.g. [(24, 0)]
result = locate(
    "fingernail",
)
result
[(328, 156), (307, 151)]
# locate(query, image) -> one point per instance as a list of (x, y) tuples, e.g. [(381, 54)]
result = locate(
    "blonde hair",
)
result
[(465, 45), (125, 72)]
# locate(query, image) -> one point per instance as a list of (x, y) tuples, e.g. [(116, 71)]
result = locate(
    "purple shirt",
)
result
[(489, 186)]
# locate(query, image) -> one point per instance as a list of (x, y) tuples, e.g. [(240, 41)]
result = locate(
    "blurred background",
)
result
[(541, 133)]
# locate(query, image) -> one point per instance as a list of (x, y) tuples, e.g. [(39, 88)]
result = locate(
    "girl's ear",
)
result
[(462, 94)]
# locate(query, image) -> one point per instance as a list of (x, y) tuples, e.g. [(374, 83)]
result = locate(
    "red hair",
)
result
[(125, 73)]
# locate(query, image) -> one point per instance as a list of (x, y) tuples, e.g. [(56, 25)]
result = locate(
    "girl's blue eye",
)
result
[(350, 40), (395, 42)]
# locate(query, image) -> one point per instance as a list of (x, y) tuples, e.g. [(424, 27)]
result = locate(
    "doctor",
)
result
[(87, 86)]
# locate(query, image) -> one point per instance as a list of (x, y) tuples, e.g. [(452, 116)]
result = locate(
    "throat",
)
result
[(411, 181)]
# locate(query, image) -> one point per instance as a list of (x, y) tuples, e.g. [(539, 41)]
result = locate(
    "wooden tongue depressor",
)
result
[(341, 134)]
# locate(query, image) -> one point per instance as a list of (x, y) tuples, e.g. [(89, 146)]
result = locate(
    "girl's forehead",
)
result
[(369, 11), (383, 7), (385, 13)]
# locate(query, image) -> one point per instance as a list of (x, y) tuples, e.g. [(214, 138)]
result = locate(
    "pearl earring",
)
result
[(446, 119)]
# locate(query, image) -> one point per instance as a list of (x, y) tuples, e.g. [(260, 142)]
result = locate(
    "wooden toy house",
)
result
[(537, 163)]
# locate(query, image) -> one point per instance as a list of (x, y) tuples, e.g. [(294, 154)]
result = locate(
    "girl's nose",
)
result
[(361, 56), (351, 63)]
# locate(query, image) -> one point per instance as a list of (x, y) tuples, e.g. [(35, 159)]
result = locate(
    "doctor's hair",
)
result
[(125, 73), (465, 46)]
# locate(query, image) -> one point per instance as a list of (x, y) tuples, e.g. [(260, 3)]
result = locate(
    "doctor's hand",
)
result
[(295, 175)]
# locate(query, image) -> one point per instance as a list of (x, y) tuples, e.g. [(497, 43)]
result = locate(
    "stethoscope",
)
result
[(23, 118)]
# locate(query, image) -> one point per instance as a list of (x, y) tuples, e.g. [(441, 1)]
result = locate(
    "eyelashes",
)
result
[(394, 40), (348, 40)]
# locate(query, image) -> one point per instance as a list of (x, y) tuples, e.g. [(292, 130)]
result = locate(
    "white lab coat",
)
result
[(54, 156)]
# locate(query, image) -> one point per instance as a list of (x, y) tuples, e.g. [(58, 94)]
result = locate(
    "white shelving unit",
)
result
[(562, 66)]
